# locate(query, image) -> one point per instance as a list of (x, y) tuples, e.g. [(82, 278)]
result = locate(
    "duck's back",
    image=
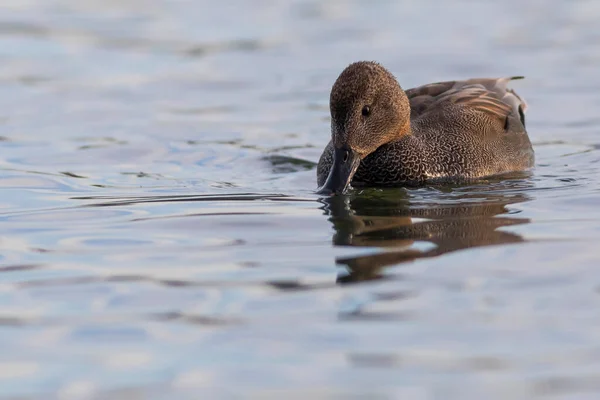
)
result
[(472, 128), (490, 95)]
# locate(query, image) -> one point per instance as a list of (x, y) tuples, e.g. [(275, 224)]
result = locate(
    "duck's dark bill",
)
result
[(345, 163)]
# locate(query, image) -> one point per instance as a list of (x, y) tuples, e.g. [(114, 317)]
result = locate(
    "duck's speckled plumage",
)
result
[(447, 131)]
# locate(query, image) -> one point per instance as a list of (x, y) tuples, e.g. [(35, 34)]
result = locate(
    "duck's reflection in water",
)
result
[(395, 222)]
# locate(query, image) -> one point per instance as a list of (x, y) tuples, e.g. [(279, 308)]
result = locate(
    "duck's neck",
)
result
[(405, 130)]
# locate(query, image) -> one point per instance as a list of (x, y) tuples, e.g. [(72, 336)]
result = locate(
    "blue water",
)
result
[(160, 237)]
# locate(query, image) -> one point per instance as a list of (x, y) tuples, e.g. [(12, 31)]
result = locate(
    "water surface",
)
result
[(160, 237)]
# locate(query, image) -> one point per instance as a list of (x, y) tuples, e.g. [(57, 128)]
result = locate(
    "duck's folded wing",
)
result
[(490, 96)]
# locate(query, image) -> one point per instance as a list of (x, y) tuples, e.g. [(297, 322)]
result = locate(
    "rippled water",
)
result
[(160, 238)]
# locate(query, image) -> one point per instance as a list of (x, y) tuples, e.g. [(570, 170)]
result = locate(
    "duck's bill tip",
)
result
[(345, 163), (325, 191)]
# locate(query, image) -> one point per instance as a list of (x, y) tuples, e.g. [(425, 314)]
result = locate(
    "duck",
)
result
[(443, 132)]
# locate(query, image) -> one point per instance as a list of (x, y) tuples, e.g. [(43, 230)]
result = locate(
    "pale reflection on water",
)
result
[(160, 238)]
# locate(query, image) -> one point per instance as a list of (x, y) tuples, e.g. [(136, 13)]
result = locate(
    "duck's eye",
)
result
[(366, 111)]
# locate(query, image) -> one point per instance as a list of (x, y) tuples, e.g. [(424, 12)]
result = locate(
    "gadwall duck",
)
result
[(450, 131)]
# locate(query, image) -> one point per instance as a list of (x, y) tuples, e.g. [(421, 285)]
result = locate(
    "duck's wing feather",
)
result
[(488, 95)]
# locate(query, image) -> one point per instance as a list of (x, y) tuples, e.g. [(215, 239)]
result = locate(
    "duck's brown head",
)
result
[(368, 109)]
